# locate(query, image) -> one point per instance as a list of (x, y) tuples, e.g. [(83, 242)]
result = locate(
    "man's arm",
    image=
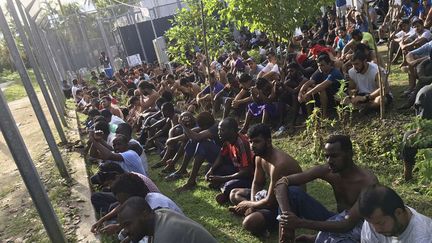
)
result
[(281, 186), (351, 220), (259, 178), (416, 43), (319, 88), (105, 153), (197, 135)]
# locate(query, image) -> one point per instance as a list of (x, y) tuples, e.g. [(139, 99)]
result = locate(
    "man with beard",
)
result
[(257, 204), (388, 218), (161, 225), (364, 83), (300, 210)]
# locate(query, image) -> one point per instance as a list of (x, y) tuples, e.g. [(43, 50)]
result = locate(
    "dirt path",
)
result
[(13, 193)]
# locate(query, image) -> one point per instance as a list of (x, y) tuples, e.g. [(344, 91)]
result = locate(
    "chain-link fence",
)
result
[(121, 30)]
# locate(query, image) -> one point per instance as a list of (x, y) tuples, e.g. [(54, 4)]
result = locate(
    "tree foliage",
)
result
[(185, 36), (277, 18)]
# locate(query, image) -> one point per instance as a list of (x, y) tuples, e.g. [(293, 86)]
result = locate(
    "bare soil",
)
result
[(15, 202)]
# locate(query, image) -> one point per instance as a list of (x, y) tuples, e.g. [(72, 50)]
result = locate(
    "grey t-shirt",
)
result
[(417, 231), (423, 102), (176, 228)]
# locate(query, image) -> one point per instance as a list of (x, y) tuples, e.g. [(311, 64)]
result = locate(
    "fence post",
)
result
[(32, 96), (29, 174), (37, 73), (33, 34)]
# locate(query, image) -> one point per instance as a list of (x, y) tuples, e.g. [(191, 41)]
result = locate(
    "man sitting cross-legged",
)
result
[(233, 167), (202, 144), (300, 210), (322, 86), (259, 205), (364, 83)]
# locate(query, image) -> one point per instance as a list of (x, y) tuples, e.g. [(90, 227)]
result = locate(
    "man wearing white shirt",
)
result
[(271, 68), (388, 220)]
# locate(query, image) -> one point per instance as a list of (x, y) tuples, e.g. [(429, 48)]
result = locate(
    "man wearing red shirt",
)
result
[(234, 166)]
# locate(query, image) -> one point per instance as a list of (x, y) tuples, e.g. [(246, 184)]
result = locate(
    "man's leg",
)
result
[(205, 150), (102, 200), (408, 154), (227, 108), (246, 123), (238, 195), (302, 205), (260, 221), (324, 103)]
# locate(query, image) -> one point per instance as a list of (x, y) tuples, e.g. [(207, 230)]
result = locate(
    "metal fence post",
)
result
[(106, 43), (32, 96), (139, 37), (38, 75), (29, 174), (43, 58)]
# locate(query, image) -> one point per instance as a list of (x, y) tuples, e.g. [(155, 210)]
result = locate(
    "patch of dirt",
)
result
[(15, 201)]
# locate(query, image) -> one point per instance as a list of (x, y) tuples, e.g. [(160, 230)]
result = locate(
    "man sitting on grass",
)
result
[(257, 204), (300, 210), (233, 168)]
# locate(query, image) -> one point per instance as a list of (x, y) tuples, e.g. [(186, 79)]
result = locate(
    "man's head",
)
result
[(228, 129), (128, 185), (293, 70), (338, 153), (167, 110), (245, 81), (251, 63), (145, 87), (102, 125), (271, 57), (120, 143), (205, 120), (342, 32), (106, 114), (188, 119), (324, 63), (260, 139), (135, 217), (384, 209), (359, 61), (106, 102), (124, 129), (417, 24), (357, 35), (107, 173)]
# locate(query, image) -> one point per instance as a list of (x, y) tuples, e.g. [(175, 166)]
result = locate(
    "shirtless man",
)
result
[(260, 206), (300, 210)]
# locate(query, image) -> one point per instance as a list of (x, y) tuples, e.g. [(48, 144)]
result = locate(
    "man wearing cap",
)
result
[(252, 68)]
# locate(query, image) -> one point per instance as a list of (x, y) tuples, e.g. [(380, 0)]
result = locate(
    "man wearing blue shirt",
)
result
[(322, 86)]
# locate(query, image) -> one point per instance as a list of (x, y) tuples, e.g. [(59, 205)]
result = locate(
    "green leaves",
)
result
[(186, 33)]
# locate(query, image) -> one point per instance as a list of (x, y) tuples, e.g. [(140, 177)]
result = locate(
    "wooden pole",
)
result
[(379, 63)]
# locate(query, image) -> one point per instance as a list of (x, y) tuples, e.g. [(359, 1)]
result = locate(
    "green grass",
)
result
[(376, 146), (16, 90)]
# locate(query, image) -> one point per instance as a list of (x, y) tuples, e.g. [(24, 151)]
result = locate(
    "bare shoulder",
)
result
[(287, 163), (369, 177)]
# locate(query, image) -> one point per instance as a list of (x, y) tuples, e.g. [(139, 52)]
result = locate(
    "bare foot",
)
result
[(186, 187)]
